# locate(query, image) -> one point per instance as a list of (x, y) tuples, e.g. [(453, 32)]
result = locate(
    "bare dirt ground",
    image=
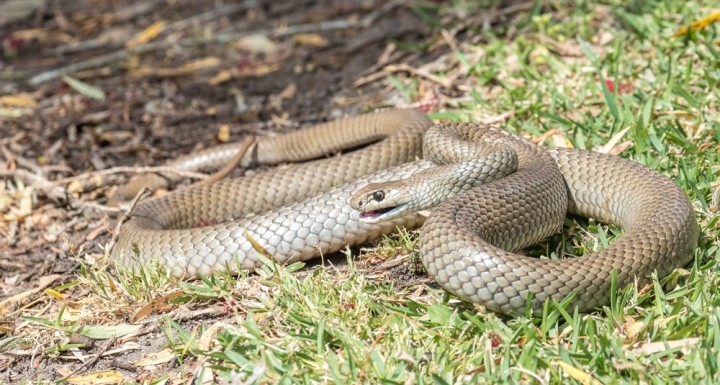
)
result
[(148, 118), (284, 65)]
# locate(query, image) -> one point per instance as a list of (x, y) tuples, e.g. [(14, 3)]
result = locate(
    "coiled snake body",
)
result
[(505, 194)]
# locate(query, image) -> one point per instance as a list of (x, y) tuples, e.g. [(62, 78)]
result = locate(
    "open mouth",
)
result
[(378, 215)]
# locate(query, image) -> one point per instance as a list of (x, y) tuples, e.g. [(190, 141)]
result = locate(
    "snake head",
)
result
[(381, 202)]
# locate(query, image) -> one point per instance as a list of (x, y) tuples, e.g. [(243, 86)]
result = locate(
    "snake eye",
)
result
[(378, 195)]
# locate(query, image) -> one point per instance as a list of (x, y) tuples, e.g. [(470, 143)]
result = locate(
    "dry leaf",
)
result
[(560, 141), (206, 374), (84, 89), (220, 77), (661, 323), (579, 375), (95, 117), (20, 100), (104, 332), (95, 378), (187, 68), (75, 187), (257, 43), (158, 305), (288, 92), (15, 112), (116, 136), (223, 134), (54, 293), (424, 213), (206, 339), (256, 245), (609, 146), (699, 24), (620, 148), (115, 35), (6, 327), (147, 34), (200, 64), (548, 134), (260, 70), (633, 328), (64, 371), (417, 294), (656, 347), (311, 39), (41, 35), (26, 203), (153, 359)]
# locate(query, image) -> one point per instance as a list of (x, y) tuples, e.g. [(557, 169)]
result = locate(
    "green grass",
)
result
[(328, 328), (323, 326)]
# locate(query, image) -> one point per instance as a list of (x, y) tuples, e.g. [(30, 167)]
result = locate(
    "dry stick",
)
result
[(485, 19), (216, 13), (446, 83), (179, 317), (402, 67), (174, 27), (191, 42), (11, 157), (52, 188), (131, 170), (143, 192), (223, 172), (91, 362), (515, 8), (385, 8), (217, 39), (38, 181), (54, 191)]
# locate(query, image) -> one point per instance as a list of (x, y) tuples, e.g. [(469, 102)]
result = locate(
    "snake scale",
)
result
[(493, 194)]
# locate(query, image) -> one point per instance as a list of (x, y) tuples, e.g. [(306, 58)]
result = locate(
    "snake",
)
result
[(490, 193)]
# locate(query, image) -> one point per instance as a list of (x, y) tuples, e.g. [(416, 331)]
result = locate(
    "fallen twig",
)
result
[(14, 302), (131, 170), (393, 68), (54, 191), (178, 316), (217, 39), (230, 166), (500, 118), (92, 361), (492, 16), (179, 25), (377, 13), (10, 157), (190, 42), (143, 191)]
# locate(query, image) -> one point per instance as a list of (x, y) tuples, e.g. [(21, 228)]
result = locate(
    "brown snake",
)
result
[(495, 193)]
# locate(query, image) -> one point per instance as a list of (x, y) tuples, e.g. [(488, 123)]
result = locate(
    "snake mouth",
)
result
[(378, 215)]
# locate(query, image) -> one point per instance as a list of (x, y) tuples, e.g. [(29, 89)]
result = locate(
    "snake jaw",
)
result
[(379, 215)]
